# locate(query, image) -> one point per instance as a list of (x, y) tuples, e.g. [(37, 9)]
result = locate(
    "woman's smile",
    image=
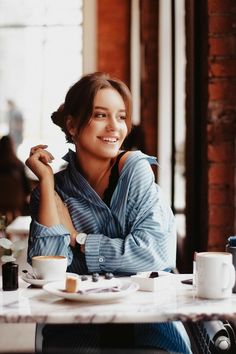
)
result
[(108, 139)]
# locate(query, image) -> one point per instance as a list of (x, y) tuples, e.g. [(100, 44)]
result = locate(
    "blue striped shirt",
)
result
[(136, 233)]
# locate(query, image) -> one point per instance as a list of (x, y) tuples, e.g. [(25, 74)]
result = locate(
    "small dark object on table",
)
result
[(187, 281), (109, 275), (154, 275), (95, 277)]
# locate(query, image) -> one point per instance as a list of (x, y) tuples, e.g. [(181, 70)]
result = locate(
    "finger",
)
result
[(37, 147), (40, 146), (41, 152), (43, 156), (45, 159)]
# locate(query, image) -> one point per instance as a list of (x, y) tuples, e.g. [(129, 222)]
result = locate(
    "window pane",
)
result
[(40, 12), (40, 58)]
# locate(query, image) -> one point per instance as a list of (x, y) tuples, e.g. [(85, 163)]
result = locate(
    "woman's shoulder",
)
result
[(123, 160), (132, 157)]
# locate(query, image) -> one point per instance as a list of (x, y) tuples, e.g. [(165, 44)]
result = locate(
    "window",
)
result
[(41, 56), (172, 112)]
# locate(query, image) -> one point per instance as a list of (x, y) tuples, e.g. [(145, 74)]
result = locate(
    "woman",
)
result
[(14, 184), (104, 211)]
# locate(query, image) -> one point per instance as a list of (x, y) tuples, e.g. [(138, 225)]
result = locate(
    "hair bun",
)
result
[(58, 117)]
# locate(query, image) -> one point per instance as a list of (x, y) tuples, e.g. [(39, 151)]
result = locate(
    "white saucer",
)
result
[(39, 282), (32, 281)]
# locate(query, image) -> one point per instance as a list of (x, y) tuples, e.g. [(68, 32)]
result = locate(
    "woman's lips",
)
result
[(108, 139)]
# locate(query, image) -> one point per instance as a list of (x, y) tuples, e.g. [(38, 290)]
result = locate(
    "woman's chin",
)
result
[(110, 151)]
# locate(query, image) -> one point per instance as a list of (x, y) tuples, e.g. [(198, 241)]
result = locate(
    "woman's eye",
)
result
[(122, 117), (99, 115)]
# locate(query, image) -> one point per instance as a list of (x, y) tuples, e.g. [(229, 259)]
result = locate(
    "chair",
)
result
[(39, 338), (12, 197), (210, 337), (108, 350)]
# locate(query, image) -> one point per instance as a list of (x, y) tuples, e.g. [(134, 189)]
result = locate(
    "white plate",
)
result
[(58, 289)]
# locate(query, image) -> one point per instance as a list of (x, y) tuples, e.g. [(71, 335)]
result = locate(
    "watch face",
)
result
[(81, 238)]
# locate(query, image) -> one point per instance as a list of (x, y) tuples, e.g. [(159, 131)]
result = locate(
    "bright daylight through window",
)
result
[(40, 58)]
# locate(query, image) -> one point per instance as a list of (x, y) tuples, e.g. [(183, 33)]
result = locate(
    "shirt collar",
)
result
[(79, 182)]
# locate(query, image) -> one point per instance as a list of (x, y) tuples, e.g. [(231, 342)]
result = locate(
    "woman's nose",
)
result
[(112, 123)]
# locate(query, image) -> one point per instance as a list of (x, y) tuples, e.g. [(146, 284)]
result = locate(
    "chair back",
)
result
[(12, 196)]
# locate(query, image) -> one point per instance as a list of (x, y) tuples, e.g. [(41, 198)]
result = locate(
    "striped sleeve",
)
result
[(44, 240)]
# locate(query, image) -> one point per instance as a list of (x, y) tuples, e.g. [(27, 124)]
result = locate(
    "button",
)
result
[(100, 259)]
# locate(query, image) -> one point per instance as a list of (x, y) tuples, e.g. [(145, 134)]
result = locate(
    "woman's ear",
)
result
[(71, 126)]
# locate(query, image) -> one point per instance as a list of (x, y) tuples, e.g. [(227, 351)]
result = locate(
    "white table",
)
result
[(19, 226), (179, 302)]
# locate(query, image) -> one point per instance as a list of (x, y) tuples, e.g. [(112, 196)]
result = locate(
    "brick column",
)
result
[(113, 38), (221, 127)]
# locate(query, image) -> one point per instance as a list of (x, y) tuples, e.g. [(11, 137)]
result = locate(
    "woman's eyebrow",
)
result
[(100, 107), (106, 109)]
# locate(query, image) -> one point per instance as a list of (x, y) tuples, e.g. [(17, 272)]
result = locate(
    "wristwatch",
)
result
[(81, 238)]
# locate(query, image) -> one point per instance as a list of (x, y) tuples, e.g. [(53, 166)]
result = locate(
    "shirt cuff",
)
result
[(39, 230), (46, 241), (94, 260)]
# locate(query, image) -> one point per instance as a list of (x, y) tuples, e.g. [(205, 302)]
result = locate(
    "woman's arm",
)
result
[(43, 240), (38, 162), (52, 210)]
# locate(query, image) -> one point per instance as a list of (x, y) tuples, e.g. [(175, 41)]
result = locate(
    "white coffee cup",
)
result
[(215, 275), (49, 267)]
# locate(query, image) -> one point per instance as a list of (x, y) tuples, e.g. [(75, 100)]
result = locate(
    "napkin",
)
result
[(232, 241), (100, 290)]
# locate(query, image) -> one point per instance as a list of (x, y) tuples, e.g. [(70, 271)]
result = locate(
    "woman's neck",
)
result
[(96, 171)]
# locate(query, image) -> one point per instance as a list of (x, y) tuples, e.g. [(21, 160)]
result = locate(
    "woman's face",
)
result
[(106, 130)]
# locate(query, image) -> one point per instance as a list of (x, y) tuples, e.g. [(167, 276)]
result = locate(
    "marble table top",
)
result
[(178, 302)]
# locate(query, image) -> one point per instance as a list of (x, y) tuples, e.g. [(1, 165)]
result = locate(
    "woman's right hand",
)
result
[(39, 160)]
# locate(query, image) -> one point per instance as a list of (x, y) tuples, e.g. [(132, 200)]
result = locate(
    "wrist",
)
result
[(47, 180), (73, 238)]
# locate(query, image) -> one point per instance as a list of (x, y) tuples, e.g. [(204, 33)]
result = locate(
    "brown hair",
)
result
[(80, 97)]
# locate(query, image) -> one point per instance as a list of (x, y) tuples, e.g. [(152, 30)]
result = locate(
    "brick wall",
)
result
[(221, 127), (114, 20), (149, 73), (113, 38)]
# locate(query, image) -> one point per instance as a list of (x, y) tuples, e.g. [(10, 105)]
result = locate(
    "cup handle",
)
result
[(231, 279)]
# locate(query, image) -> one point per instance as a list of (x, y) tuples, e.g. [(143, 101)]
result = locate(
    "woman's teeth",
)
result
[(110, 140)]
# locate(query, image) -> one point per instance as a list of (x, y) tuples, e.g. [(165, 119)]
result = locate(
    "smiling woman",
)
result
[(104, 211)]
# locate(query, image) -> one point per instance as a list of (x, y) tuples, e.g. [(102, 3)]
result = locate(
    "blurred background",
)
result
[(177, 57)]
